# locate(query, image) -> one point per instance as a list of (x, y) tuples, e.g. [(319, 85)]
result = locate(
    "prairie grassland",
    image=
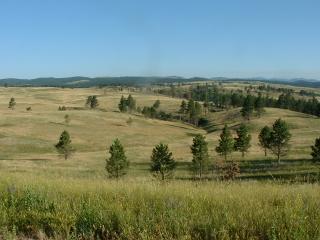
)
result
[(27, 138), (46, 197)]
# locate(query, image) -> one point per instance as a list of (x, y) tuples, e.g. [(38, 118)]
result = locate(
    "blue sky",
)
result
[(232, 38)]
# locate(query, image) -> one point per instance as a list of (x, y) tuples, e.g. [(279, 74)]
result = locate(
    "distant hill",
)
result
[(81, 82)]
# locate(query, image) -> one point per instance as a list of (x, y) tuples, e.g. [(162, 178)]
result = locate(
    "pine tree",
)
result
[(117, 164), (131, 103), (259, 105), (206, 107), (280, 136), (226, 143), (156, 104), (94, 102), (265, 139), (194, 110), (199, 150), (123, 104), (162, 162), (88, 102), (243, 139), (183, 107), (248, 107), (12, 103), (191, 110), (64, 145), (316, 150), (198, 110)]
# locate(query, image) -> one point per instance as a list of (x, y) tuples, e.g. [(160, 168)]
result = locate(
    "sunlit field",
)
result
[(36, 207), (44, 196), (28, 137)]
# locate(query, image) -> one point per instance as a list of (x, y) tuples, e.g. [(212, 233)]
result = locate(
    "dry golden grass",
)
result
[(27, 138)]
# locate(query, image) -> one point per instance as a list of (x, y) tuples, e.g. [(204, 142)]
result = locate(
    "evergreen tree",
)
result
[(123, 104), (131, 103), (248, 107), (64, 145), (197, 109), (162, 162), (280, 136), (12, 103), (194, 110), (117, 164), (242, 141), (190, 107), (200, 159), (259, 105), (183, 107), (316, 150), (265, 139), (156, 104), (88, 102), (226, 143), (206, 107), (94, 102)]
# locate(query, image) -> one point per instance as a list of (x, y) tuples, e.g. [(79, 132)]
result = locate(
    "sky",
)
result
[(205, 38)]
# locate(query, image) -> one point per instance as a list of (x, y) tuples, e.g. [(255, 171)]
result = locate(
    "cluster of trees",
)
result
[(287, 101), (62, 108), (252, 104), (154, 112), (215, 96), (268, 88), (303, 92), (228, 144), (127, 104), (275, 139), (192, 110), (92, 102)]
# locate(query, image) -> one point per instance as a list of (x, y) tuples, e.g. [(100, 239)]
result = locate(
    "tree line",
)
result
[(162, 163), (214, 97)]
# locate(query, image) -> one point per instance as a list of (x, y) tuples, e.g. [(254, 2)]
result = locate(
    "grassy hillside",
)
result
[(304, 129), (27, 138), (44, 196)]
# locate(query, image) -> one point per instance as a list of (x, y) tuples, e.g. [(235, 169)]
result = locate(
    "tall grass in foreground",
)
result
[(143, 209)]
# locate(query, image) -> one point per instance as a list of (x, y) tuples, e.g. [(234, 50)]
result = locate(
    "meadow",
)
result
[(42, 208), (27, 138), (44, 196)]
